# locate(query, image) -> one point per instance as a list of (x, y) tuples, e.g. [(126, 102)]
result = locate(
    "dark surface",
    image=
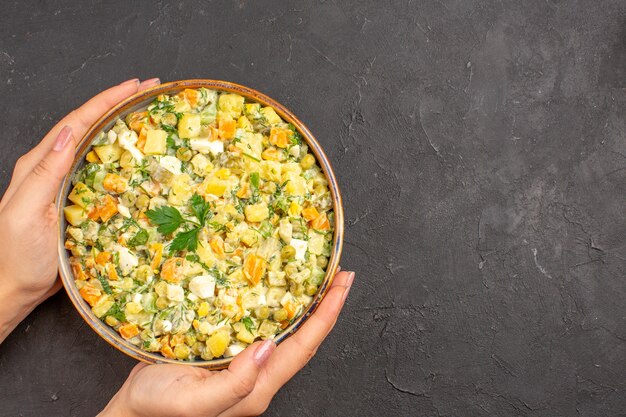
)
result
[(481, 149)]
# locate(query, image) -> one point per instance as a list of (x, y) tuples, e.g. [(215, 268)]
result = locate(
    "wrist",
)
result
[(15, 305)]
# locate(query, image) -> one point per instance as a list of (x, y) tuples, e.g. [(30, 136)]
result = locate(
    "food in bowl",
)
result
[(199, 224)]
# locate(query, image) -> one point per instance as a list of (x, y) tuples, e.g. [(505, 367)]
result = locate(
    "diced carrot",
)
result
[(108, 209), (227, 129), (217, 246), (172, 269), (90, 294), (291, 310), (128, 331), (114, 183), (103, 258), (137, 120), (69, 244), (321, 222), (254, 268), (94, 214), (167, 351), (238, 252), (310, 213), (156, 251), (112, 272), (141, 140), (271, 154), (77, 269), (244, 191), (284, 324), (192, 96), (279, 137), (177, 339)]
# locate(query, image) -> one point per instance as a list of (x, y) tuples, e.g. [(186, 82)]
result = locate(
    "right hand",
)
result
[(245, 388)]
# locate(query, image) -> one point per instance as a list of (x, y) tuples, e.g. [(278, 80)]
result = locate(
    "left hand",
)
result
[(28, 217)]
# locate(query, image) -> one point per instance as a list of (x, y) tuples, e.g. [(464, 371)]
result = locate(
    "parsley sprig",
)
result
[(168, 219)]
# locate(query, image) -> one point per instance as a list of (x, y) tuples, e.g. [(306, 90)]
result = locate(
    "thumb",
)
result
[(230, 386), (41, 185)]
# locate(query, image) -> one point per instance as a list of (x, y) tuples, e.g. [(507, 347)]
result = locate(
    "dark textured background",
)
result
[(481, 149)]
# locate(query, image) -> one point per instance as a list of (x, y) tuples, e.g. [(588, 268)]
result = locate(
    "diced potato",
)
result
[(181, 190), (215, 187), (270, 115), (294, 209), (270, 170), (81, 195), (256, 212), (296, 185), (267, 329), (250, 238), (274, 295), (245, 336), (156, 142), (316, 243), (201, 165), (276, 278), (244, 123), (189, 126), (92, 157), (103, 305), (218, 342), (75, 214), (230, 106), (109, 153)]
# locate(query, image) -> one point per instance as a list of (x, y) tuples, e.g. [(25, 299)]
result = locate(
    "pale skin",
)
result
[(28, 232)]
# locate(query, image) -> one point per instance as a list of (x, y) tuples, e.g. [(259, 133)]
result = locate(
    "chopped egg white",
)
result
[(205, 146), (171, 163), (202, 286), (127, 140), (234, 349), (124, 211), (300, 246), (128, 261), (175, 293)]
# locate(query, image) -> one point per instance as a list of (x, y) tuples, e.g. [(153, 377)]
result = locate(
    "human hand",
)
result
[(245, 388), (28, 217)]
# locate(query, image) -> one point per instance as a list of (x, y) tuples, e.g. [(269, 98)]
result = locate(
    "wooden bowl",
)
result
[(137, 102)]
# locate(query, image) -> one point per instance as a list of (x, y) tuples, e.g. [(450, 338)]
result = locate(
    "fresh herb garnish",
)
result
[(105, 284), (116, 311), (167, 219), (200, 208), (140, 238), (186, 240), (247, 321)]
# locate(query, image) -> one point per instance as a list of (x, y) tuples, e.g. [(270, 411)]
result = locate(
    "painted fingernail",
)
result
[(264, 351), (150, 82), (63, 138), (133, 81), (348, 285)]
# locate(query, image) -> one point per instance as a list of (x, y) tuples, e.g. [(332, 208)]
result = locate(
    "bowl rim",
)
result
[(142, 99)]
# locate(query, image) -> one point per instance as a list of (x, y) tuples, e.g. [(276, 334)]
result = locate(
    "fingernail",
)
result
[(338, 268), (264, 351), (134, 80), (62, 139), (348, 285), (150, 82)]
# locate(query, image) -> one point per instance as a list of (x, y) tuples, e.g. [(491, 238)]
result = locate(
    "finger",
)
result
[(148, 84), (225, 389), (39, 187), (295, 352), (79, 120)]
